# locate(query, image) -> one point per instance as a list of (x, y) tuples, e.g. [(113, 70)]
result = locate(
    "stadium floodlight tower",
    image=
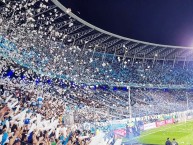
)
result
[(129, 95)]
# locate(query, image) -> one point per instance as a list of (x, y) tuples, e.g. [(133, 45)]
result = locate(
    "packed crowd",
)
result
[(48, 52), (24, 98), (28, 43), (49, 86), (155, 101), (109, 69), (109, 102), (35, 118), (31, 118)]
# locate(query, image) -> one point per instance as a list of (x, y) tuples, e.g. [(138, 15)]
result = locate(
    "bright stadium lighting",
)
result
[(68, 10)]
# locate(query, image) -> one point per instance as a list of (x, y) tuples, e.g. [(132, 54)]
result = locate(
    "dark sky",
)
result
[(159, 21)]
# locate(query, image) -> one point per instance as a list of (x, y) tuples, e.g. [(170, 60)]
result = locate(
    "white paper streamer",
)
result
[(32, 128), (118, 142), (13, 105), (17, 109), (28, 115), (7, 124), (23, 116), (21, 123), (33, 119), (110, 140), (8, 98), (9, 105), (50, 131), (39, 125), (38, 118), (20, 115), (83, 137), (57, 133), (98, 139)]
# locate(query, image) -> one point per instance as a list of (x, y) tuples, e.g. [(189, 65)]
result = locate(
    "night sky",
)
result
[(167, 22)]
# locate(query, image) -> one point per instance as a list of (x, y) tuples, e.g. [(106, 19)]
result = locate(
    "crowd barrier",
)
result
[(158, 124), (148, 126), (120, 132), (118, 127)]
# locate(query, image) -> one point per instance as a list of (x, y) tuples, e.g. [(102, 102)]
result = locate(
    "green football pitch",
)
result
[(182, 132)]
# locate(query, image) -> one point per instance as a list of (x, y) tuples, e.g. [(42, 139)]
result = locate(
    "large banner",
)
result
[(164, 122), (160, 123), (149, 126), (170, 121), (120, 132)]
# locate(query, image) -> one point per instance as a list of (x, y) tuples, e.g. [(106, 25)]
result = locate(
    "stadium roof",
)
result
[(107, 42), (78, 32)]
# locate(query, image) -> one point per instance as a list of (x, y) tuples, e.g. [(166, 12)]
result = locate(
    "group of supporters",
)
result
[(173, 142), (97, 69), (30, 118), (40, 54), (103, 95)]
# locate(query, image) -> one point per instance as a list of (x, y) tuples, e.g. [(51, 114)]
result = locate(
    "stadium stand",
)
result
[(64, 81)]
